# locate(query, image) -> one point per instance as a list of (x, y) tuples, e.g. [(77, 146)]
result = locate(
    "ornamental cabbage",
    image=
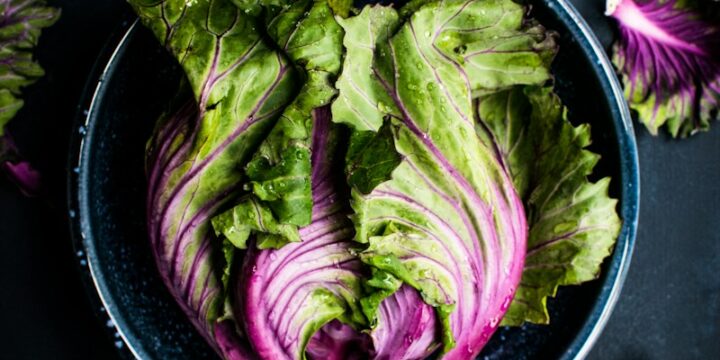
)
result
[(669, 56), (572, 221), (379, 185), (20, 25), (240, 85), (447, 220)]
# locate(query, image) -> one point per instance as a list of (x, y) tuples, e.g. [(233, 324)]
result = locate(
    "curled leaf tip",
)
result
[(24, 176), (18, 170)]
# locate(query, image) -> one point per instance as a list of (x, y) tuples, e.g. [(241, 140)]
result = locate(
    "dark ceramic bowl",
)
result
[(107, 191)]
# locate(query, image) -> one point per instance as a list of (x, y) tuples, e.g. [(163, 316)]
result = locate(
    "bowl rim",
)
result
[(617, 268), (630, 179)]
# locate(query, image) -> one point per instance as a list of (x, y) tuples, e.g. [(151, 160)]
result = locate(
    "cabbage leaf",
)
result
[(669, 55), (300, 272), (406, 327), (452, 152), (279, 173), (21, 23), (286, 295), (447, 221), (338, 341), (240, 85), (573, 222)]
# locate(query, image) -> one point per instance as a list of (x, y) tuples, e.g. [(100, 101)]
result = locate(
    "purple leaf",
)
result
[(286, 295), (20, 25), (24, 176), (407, 327), (338, 341), (669, 57), (18, 170)]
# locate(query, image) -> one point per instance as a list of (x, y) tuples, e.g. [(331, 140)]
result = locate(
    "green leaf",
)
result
[(256, 7), (341, 8), (20, 27), (21, 22), (280, 171), (9, 106), (362, 101), (448, 221), (240, 85), (371, 158), (301, 286), (380, 285), (229, 250), (573, 222), (250, 216)]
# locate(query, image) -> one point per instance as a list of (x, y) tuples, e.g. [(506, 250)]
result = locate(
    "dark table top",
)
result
[(669, 308)]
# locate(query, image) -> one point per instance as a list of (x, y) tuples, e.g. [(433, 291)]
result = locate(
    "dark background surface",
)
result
[(669, 308)]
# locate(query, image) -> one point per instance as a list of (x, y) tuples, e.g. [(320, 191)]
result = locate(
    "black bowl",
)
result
[(107, 194)]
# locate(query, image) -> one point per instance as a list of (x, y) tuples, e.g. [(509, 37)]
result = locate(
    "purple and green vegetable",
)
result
[(21, 22), (668, 53), (383, 183)]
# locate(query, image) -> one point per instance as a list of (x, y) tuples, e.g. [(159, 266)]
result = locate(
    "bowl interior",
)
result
[(109, 193)]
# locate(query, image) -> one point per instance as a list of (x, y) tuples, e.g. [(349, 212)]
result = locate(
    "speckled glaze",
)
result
[(107, 191)]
